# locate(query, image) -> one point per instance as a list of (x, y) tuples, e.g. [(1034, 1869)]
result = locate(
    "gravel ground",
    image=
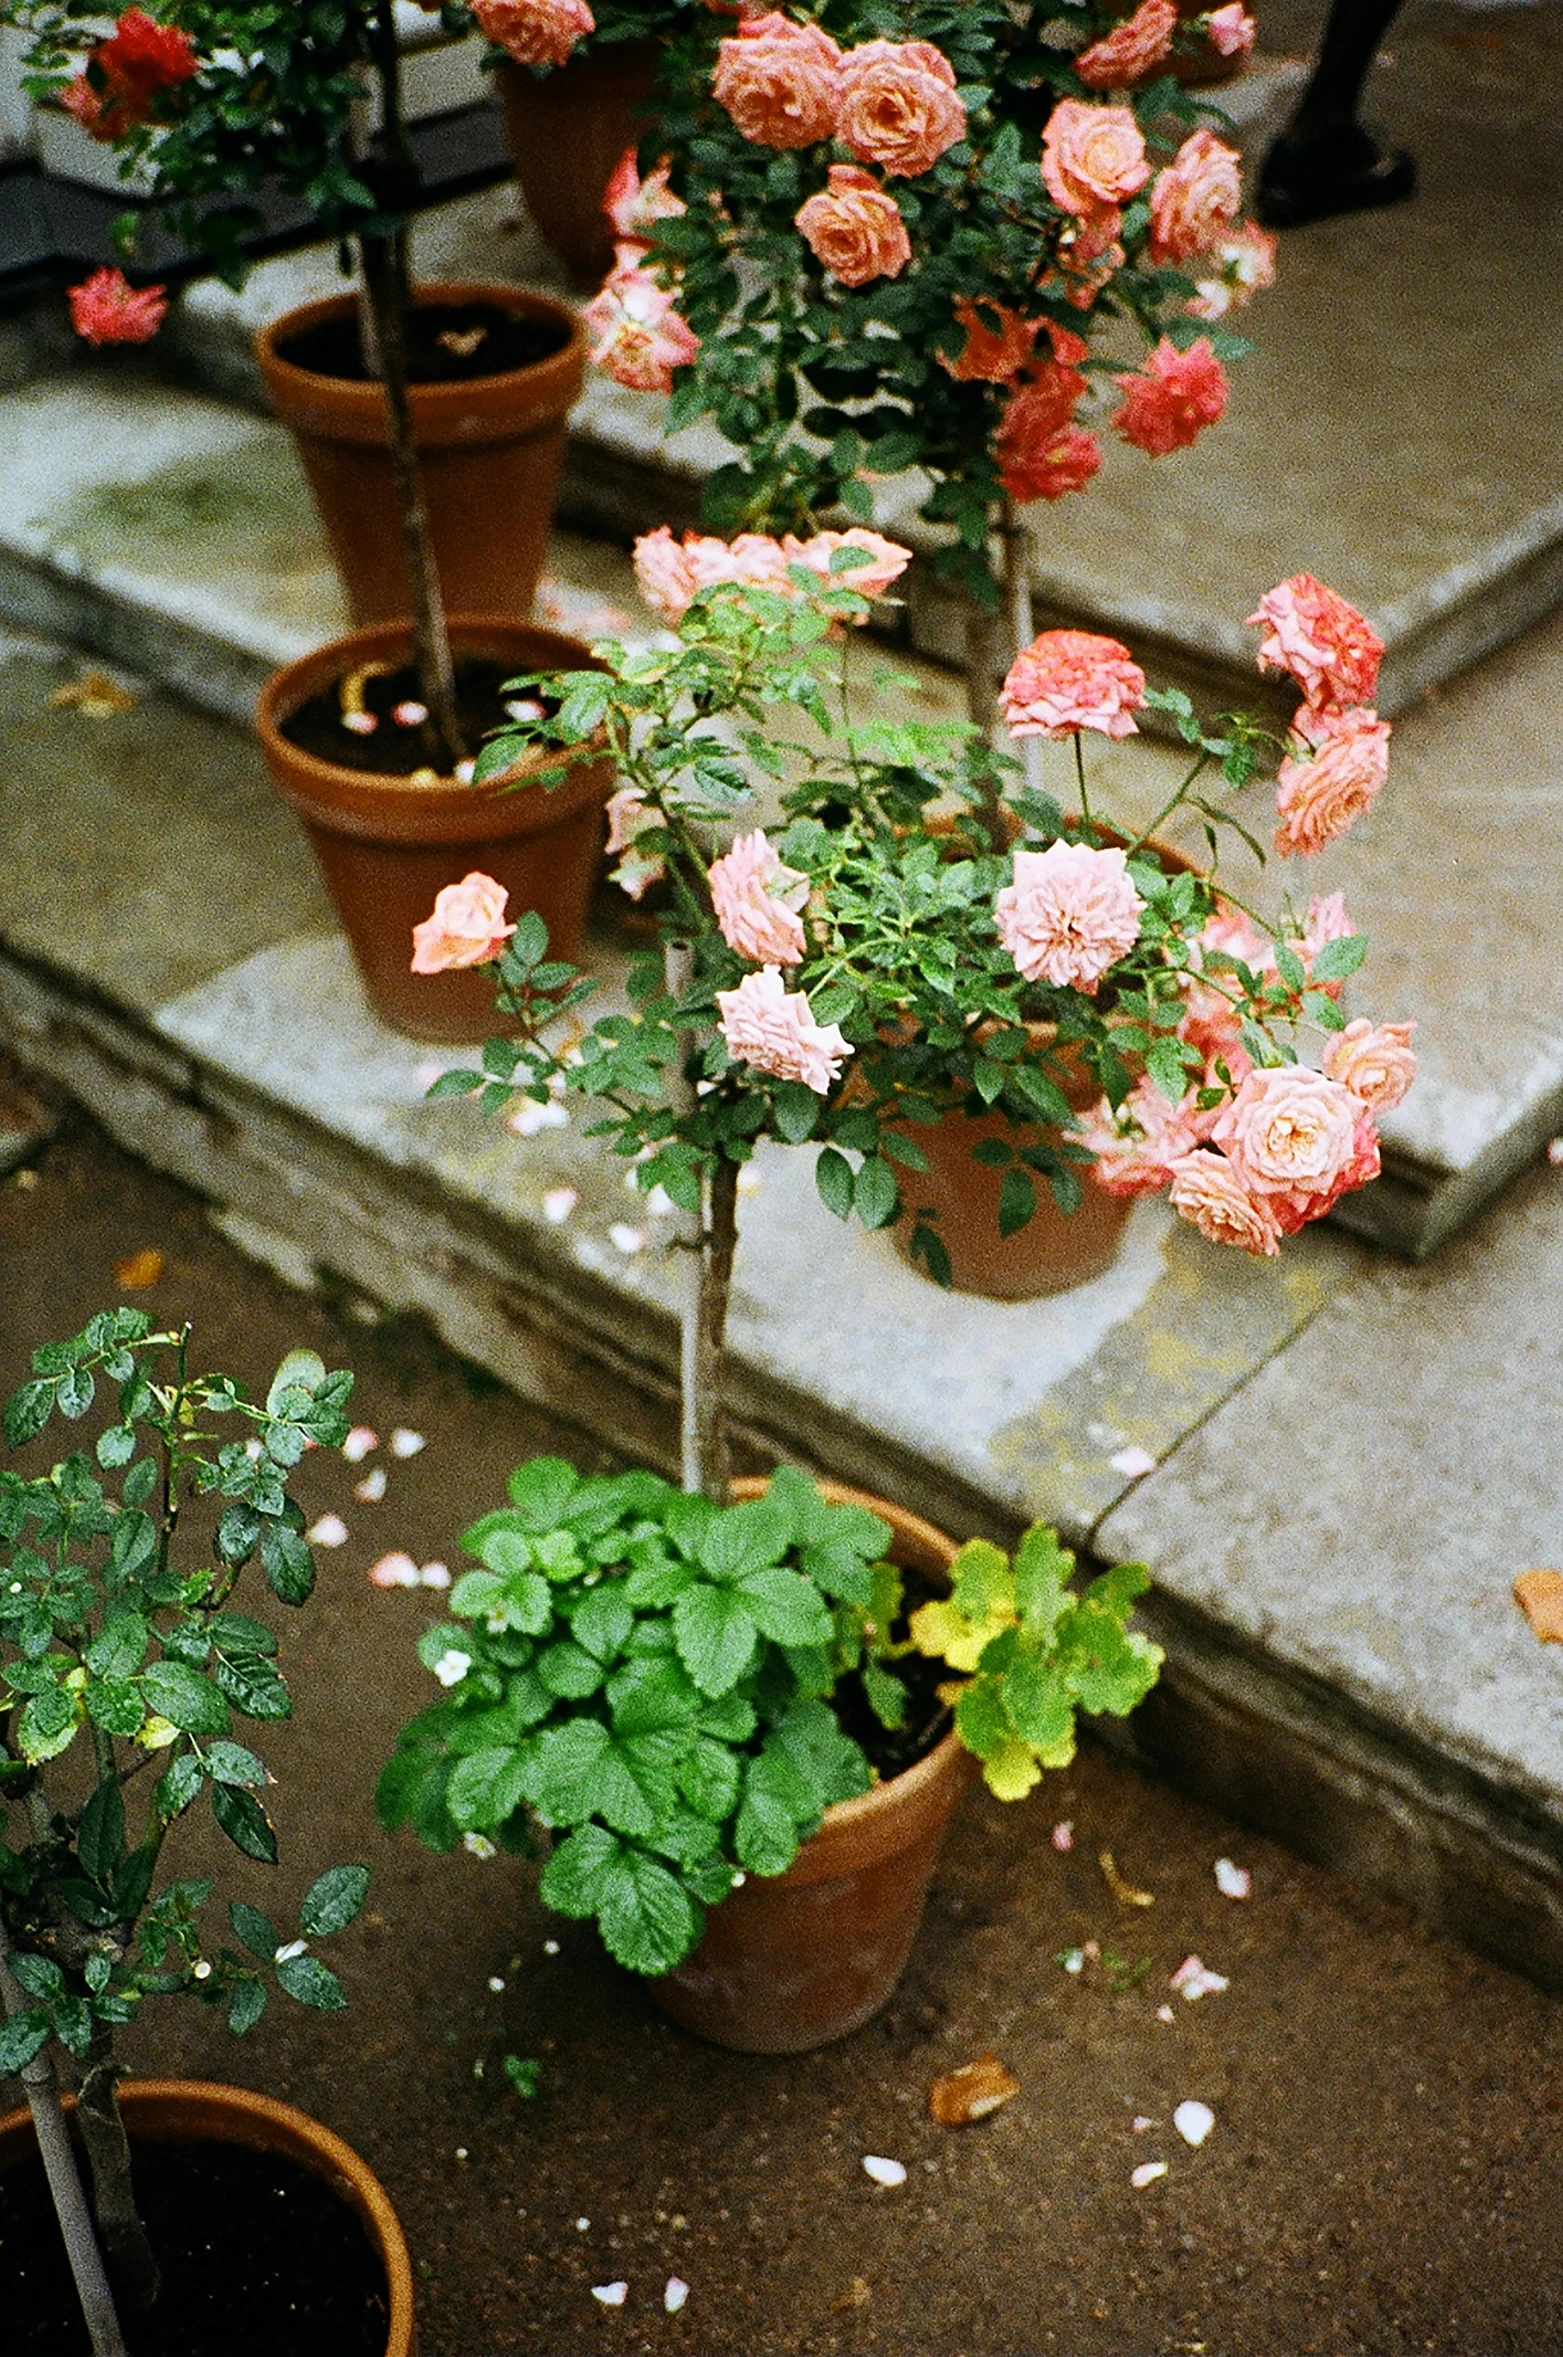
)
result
[(1381, 2176)]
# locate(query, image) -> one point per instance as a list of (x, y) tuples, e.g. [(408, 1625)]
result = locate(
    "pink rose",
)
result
[(1093, 157), (637, 336), (1289, 1131), (1067, 680), (1136, 1148), (670, 574), (106, 309), (633, 205), (1230, 30), (1330, 649), (1195, 198), (535, 32), (466, 928), (1376, 1062), (1168, 403), (1069, 913), (854, 228), (1336, 764), (1132, 49), (991, 356), (773, 1029), (1210, 1193), (629, 817), (1244, 265), (898, 106), (756, 900), (1060, 462), (780, 82), (887, 559)]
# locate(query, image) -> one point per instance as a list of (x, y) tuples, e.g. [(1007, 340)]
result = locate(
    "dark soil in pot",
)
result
[(397, 747), (447, 344), (259, 2259)]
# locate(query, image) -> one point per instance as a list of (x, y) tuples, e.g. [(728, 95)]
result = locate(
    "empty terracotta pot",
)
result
[(386, 845), (190, 2111), (791, 1961), (567, 132), (489, 449)]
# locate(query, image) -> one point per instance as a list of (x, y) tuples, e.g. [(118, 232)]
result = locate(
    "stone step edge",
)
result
[(1287, 1754)]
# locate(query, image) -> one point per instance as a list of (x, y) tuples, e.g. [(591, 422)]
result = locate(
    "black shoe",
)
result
[(1310, 179)]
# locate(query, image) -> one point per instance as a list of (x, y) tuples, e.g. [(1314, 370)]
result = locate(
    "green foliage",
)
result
[(115, 1655)]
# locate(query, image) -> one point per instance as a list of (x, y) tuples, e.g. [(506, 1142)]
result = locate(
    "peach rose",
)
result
[(106, 309), (670, 574), (466, 927), (534, 32), (991, 356), (1375, 1061), (1067, 680), (637, 335), (780, 81), (1289, 1131), (773, 1029), (854, 228), (1136, 1148), (1168, 403), (1132, 49), (1195, 198), (1231, 30), (887, 559), (1210, 1193), (1069, 913), (1093, 157), (1336, 765), (898, 106), (1330, 649), (756, 900)]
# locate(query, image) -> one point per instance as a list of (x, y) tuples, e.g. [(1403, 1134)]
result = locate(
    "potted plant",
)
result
[(430, 422), (694, 1694), (125, 1662)]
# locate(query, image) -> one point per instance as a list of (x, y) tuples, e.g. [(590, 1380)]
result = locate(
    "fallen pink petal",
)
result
[(359, 1442), (558, 1204), (396, 1570), (371, 1489), (1194, 1980), (1147, 2174), (626, 1239), (1139, 2124), (405, 1443), (1133, 1461), (329, 1531), (1064, 1834)]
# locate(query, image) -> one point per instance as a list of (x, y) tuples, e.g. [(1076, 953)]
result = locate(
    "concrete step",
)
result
[(1342, 1666)]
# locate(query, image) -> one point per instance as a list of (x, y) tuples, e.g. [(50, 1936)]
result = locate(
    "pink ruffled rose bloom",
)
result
[(1132, 49), (106, 309), (854, 229), (780, 81), (887, 559), (1198, 195), (756, 900), (773, 1029), (1069, 913), (634, 206), (1231, 30), (1136, 1148), (1210, 1193), (1290, 1132), (1046, 468), (1168, 403), (535, 32), (1067, 680), (1337, 764), (467, 926), (637, 335), (899, 107), (1331, 650), (1093, 158), (1375, 1061)]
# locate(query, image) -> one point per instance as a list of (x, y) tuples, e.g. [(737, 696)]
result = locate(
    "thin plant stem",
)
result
[(719, 1241), (108, 2156), (1022, 626), (1167, 808), (1085, 800), (677, 974)]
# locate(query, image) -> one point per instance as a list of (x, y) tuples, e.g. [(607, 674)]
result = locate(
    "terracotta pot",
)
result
[(184, 2111), (791, 1961), (386, 846), (567, 134), (489, 449)]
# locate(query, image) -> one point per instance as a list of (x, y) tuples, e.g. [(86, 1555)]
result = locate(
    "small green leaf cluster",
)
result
[(1035, 1653), (111, 1646), (647, 1676)]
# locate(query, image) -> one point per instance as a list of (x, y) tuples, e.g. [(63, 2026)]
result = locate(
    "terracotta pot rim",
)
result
[(292, 2132), (521, 300)]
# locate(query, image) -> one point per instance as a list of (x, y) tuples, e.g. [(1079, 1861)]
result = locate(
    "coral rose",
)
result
[(898, 106), (127, 74), (854, 228), (106, 309), (535, 32), (773, 1029), (1093, 157), (991, 355), (1132, 49), (1289, 1131), (634, 206), (1136, 1148), (1244, 265), (1195, 198), (1375, 1061), (1168, 403), (1330, 649), (887, 560), (1063, 461), (1210, 1193), (780, 82), (670, 574), (1069, 913), (1230, 30), (467, 927), (756, 900), (637, 335), (1067, 680), (1337, 763)]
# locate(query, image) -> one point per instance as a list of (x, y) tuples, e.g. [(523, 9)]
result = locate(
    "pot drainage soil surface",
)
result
[(391, 748), (447, 344)]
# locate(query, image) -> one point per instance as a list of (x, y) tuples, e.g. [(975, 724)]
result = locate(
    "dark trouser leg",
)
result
[(1325, 162)]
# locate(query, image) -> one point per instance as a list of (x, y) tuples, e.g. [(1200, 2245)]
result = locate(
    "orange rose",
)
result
[(1093, 157), (1195, 199), (854, 228), (780, 82), (898, 105)]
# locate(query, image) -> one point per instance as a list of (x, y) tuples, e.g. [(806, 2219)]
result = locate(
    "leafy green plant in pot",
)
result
[(123, 1672), (692, 1694)]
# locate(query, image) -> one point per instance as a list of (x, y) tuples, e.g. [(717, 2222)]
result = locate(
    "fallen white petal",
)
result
[(675, 2294), (750, 1180), (1133, 1461), (329, 1531), (660, 1204), (495, 1983), (1139, 2124), (612, 2295), (1555, 1152), (466, 771), (1147, 2174), (1194, 1980), (371, 1489), (1233, 1882), (452, 1666), (882, 2171), (550, 1947), (1064, 1834), (1165, 2013), (581, 2225), (252, 1449), (479, 1844), (396, 1570), (1193, 2121), (434, 1575), (289, 1950), (1073, 1960), (527, 1118), (359, 1442), (558, 1203), (626, 1238), (406, 1443)]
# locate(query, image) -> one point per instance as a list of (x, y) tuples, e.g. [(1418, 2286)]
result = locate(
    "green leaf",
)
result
[(1017, 1201), (708, 1779), (301, 1370), (785, 1606), (120, 1647), (648, 1921), (1038, 1705), (238, 1533), (232, 1763), (569, 1671), (47, 1726), (332, 1900), (186, 1697), (116, 1706), (28, 1411), (875, 1195), (582, 1770), (541, 1490), (38, 1975), (246, 2004), (797, 1110), (1337, 959), (522, 2074), (245, 1822), (745, 1538), (177, 1786), (765, 1837), (1043, 1570), (25, 2034), (252, 1686), (603, 1619), (256, 1931), (100, 1831), (833, 1177), (487, 1787), (312, 1983), (116, 1446), (76, 1392), (571, 1882), (715, 1633), (288, 1563)]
